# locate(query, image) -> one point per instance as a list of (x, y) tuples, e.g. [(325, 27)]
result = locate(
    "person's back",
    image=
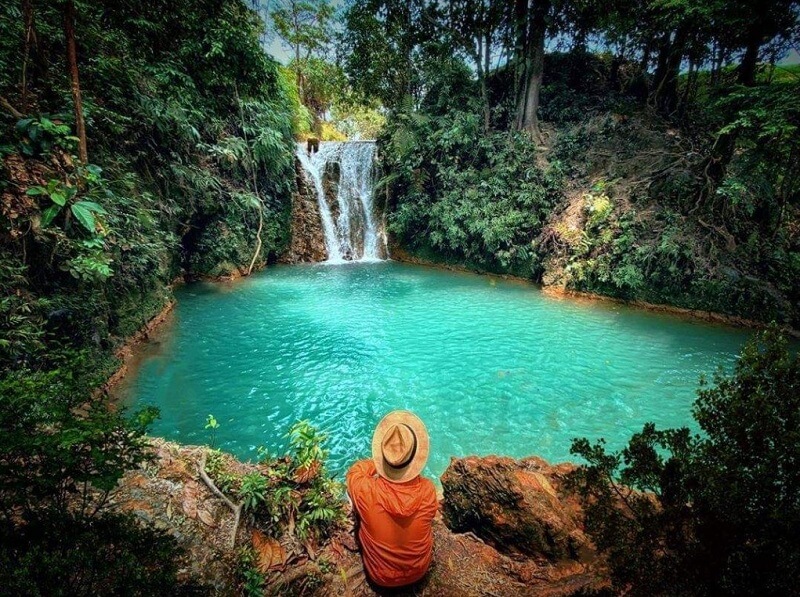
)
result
[(394, 504), (395, 530)]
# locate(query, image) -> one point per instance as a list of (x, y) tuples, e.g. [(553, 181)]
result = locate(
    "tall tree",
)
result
[(386, 45), (476, 28), (749, 25), (72, 65), (530, 22), (746, 25), (31, 45), (304, 26)]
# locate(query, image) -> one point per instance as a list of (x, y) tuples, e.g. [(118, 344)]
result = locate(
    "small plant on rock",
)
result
[(253, 490), (212, 425)]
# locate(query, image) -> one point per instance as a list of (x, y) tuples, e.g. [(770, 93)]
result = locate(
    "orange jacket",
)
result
[(396, 532)]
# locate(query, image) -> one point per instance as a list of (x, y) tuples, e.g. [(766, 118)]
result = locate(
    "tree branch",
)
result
[(7, 105)]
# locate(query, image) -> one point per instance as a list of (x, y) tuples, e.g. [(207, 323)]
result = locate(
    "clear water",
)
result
[(490, 366)]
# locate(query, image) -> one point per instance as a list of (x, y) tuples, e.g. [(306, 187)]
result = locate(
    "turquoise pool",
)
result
[(491, 366)]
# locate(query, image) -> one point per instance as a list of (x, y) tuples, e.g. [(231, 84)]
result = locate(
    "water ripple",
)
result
[(492, 367)]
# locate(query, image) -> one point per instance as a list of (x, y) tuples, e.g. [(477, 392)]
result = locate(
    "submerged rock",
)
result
[(518, 507)]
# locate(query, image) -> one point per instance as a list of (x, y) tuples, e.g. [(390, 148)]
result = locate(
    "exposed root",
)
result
[(258, 237), (307, 569), (235, 508)]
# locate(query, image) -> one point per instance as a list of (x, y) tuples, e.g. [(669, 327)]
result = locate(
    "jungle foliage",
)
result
[(679, 123), (710, 514), (470, 197), (187, 170)]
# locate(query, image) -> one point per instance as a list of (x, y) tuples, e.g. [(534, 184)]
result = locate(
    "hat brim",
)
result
[(413, 468)]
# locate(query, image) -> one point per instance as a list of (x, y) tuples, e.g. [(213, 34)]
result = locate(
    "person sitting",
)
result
[(394, 504)]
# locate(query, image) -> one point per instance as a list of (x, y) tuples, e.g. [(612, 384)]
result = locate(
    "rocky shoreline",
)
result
[(555, 291), (505, 527)]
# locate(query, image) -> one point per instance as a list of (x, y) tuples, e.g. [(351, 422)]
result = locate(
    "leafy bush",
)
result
[(252, 490), (710, 514), (58, 554), (61, 455), (187, 120), (291, 494), (61, 450), (467, 195)]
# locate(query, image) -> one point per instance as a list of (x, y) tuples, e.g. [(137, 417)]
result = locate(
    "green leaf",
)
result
[(92, 206), (84, 215), (59, 198), (33, 191), (49, 215), (23, 124)]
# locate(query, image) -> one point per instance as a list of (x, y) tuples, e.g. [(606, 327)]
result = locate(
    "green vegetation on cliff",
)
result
[(143, 141)]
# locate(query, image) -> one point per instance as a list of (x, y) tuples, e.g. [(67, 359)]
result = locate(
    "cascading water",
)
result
[(352, 231)]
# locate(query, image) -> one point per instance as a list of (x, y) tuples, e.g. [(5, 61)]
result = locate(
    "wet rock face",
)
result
[(331, 176), (518, 507), (308, 240)]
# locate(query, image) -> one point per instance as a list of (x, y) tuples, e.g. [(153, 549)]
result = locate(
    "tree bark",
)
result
[(691, 76), (749, 63), (11, 109), (72, 65), (665, 95), (531, 65), (482, 64)]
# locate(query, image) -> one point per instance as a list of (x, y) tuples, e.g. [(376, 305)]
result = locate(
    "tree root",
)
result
[(258, 237), (730, 242), (235, 508)]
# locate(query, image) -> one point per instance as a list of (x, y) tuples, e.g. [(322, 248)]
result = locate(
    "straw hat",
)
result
[(400, 446)]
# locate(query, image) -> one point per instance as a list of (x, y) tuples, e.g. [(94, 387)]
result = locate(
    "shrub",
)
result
[(710, 514), (58, 554), (475, 197)]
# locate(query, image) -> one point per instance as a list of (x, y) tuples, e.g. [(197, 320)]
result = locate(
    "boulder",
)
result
[(518, 507)]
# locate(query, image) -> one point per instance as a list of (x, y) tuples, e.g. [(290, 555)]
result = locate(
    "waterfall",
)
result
[(342, 176)]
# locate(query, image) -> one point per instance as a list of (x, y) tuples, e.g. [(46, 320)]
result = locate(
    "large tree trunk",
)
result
[(749, 64), (72, 64), (531, 67), (665, 94), (528, 101)]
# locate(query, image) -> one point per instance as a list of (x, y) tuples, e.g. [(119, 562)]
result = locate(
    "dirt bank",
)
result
[(129, 350)]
